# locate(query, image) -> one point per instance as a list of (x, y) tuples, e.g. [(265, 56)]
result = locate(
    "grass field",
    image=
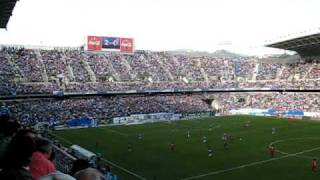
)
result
[(247, 157)]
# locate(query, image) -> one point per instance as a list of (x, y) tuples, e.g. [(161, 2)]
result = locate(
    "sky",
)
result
[(241, 26)]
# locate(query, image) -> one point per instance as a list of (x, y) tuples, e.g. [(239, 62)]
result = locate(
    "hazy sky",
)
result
[(205, 25)]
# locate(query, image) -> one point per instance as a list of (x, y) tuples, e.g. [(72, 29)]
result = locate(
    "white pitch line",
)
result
[(125, 170), (249, 164), (299, 156), (292, 139), (112, 163)]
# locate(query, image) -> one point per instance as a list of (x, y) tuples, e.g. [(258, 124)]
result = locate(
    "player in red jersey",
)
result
[(314, 165), (272, 150)]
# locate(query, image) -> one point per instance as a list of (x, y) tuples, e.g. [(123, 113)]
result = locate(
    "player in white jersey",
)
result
[(210, 152), (248, 124), (224, 137), (204, 139)]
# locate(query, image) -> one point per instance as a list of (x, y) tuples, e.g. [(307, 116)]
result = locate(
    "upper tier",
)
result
[(24, 71)]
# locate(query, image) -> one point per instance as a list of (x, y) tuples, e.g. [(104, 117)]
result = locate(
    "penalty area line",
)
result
[(250, 164), (292, 139)]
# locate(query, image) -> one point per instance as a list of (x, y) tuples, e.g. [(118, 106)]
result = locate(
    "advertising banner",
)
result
[(94, 43), (126, 45)]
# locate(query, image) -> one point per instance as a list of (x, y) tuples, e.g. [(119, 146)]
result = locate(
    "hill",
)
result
[(219, 53)]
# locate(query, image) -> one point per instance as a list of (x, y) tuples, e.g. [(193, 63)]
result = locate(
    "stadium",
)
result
[(108, 110)]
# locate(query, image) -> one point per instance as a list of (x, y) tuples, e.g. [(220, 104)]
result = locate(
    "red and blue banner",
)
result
[(101, 43)]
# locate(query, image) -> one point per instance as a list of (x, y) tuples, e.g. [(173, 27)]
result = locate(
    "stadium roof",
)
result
[(6, 8), (305, 46)]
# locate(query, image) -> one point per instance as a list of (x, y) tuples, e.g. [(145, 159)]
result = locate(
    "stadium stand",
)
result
[(59, 111), (34, 71), (64, 111), (102, 84)]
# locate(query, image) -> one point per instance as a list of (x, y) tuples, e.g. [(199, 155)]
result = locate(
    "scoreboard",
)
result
[(102, 43)]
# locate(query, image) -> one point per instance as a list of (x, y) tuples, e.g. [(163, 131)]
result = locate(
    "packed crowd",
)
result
[(54, 111), (33, 71), (57, 111), (308, 102), (37, 161)]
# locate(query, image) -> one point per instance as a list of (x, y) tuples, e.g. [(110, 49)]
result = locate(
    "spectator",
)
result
[(57, 176), (89, 174), (40, 164), (17, 159), (9, 129), (27, 132), (79, 165)]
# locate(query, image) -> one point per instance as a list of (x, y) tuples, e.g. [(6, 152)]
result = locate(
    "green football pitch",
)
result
[(246, 157)]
